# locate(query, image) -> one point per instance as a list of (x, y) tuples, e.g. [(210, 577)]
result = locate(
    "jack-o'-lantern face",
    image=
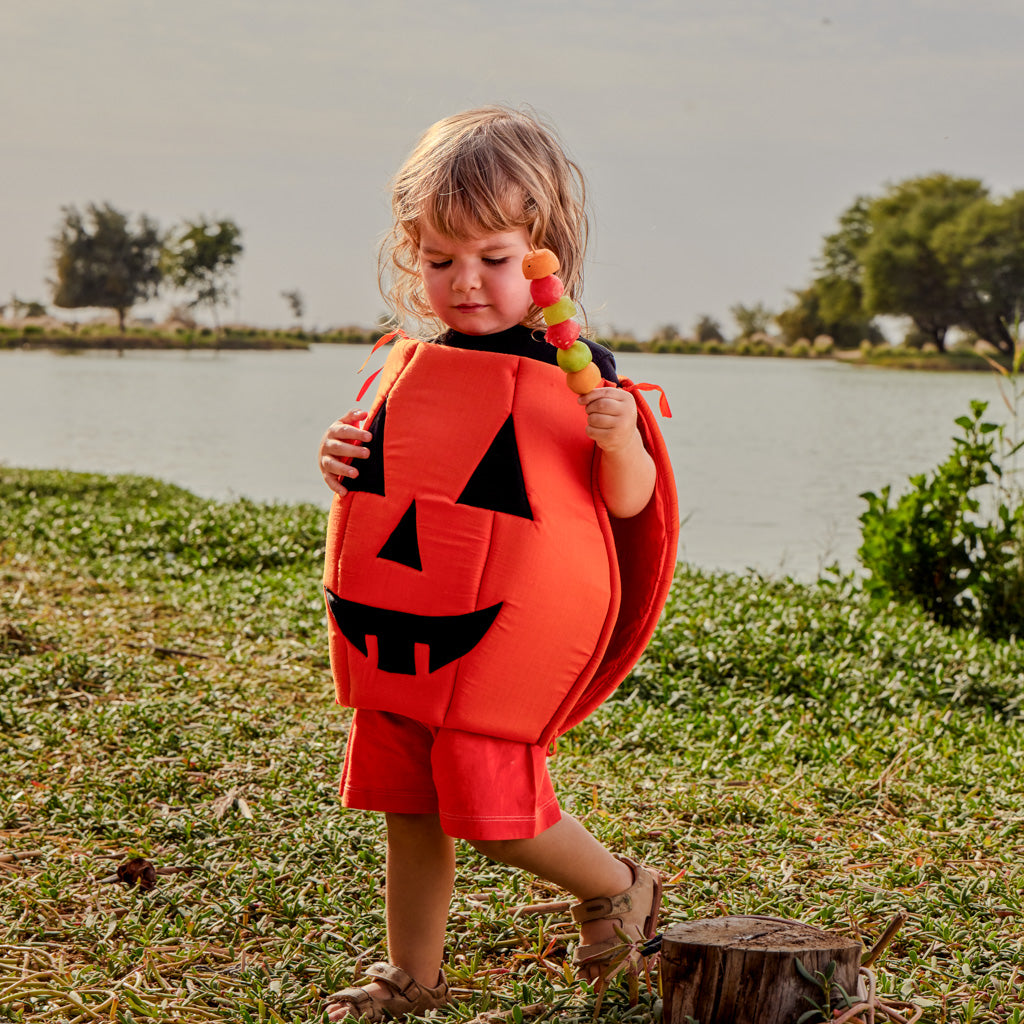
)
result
[(497, 485), (470, 560)]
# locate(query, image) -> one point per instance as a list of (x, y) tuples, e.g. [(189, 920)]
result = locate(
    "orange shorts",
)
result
[(480, 786)]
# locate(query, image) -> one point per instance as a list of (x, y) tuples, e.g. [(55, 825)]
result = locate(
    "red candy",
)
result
[(563, 335), (546, 291)]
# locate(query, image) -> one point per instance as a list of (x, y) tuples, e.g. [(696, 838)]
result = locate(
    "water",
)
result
[(770, 455)]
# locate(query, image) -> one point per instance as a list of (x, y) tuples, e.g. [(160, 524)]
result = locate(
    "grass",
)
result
[(164, 692)]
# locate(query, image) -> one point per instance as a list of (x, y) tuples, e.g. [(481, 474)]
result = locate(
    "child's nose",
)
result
[(467, 277)]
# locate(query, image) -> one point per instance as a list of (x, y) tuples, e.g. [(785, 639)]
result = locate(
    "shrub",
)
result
[(933, 546), (799, 349), (824, 344)]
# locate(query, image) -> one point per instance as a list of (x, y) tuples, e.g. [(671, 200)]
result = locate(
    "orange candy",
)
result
[(585, 380), (539, 263)]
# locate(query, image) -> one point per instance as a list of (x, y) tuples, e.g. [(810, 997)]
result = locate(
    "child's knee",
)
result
[(501, 850), (414, 827)]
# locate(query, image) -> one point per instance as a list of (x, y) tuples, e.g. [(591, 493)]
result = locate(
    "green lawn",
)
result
[(164, 692)]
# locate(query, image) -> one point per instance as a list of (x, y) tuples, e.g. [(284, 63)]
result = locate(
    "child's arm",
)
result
[(344, 440), (626, 474)]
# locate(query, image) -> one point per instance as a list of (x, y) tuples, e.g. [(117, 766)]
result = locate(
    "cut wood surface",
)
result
[(742, 970)]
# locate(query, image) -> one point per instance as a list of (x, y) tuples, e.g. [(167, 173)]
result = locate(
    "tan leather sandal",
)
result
[(406, 996), (634, 912)]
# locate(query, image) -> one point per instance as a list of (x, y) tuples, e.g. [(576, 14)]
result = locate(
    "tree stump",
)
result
[(742, 970)]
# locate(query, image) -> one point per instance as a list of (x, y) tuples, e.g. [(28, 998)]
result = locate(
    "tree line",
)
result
[(938, 250)]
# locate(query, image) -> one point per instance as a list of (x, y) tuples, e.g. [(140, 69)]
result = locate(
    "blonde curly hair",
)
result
[(486, 170)]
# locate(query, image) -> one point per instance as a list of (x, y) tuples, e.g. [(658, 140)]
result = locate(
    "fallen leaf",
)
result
[(137, 870)]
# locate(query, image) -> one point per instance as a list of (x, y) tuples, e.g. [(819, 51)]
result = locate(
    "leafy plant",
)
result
[(933, 545), (823, 979)]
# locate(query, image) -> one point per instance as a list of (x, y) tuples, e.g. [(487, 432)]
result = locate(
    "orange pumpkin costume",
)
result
[(473, 577)]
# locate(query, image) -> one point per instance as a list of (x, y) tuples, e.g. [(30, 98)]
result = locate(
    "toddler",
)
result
[(498, 553)]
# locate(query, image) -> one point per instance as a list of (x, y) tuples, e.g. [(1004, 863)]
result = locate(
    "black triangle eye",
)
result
[(497, 482), (402, 545), (371, 470)]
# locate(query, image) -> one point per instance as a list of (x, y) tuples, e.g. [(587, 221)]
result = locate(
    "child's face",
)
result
[(476, 285)]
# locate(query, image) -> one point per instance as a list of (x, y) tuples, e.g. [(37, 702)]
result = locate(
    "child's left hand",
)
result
[(611, 418)]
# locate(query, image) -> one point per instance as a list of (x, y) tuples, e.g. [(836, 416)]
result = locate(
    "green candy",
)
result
[(574, 358), (563, 309)]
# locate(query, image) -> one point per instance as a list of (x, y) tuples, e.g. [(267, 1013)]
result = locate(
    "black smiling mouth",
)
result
[(448, 637)]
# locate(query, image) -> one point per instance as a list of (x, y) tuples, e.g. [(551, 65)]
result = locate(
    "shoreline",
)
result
[(205, 340)]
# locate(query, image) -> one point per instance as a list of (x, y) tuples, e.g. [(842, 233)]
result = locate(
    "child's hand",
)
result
[(611, 418), (344, 440), (626, 474)]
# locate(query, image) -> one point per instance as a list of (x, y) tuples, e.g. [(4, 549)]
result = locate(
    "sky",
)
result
[(721, 139)]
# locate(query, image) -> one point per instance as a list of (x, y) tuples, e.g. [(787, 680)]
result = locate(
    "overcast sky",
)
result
[(721, 140)]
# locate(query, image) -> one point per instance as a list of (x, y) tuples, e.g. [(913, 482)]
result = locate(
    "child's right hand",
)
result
[(344, 440)]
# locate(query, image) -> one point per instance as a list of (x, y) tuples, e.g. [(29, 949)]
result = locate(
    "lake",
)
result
[(770, 455)]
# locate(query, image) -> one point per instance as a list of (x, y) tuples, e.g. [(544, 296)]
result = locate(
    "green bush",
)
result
[(933, 546)]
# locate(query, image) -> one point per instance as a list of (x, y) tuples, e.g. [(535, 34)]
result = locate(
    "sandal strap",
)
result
[(601, 907), (407, 994), (596, 950), (358, 998), (403, 983)]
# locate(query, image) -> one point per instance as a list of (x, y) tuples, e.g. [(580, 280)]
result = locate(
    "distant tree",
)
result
[(99, 259), (296, 303), (807, 318), (904, 273), (982, 249), (666, 332), (24, 307), (935, 249), (751, 319), (707, 328), (199, 258)]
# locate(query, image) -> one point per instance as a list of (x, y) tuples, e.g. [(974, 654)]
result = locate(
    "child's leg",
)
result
[(567, 855), (420, 878)]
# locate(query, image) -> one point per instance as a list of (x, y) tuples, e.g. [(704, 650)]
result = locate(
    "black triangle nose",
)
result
[(402, 546)]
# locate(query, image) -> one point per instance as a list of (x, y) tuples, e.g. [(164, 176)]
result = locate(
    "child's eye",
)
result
[(495, 261), (438, 264)]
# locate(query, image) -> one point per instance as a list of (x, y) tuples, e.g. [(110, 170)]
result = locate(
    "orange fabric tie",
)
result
[(663, 406)]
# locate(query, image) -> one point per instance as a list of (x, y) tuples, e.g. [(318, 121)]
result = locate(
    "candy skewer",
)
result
[(540, 267)]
